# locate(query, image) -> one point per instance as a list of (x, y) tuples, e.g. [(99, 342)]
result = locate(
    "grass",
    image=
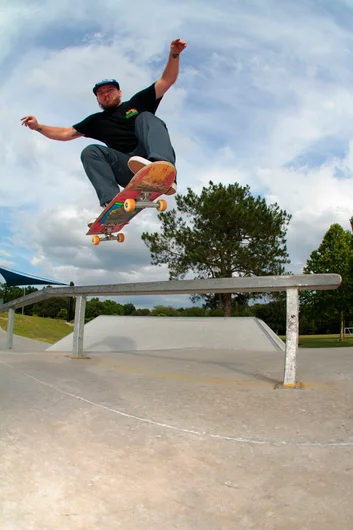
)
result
[(323, 341), (44, 329)]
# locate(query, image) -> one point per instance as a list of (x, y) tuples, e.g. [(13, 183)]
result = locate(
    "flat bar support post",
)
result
[(80, 310), (292, 339), (10, 326)]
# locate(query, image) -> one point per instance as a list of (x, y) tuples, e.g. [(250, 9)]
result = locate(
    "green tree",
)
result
[(94, 308), (273, 314), (221, 233), (239, 302), (192, 312), (62, 315), (129, 309), (112, 308), (334, 255), (143, 312), (8, 293), (162, 310), (307, 326), (49, 308)]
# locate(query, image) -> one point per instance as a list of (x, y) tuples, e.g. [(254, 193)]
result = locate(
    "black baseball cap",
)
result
[(105, 82)]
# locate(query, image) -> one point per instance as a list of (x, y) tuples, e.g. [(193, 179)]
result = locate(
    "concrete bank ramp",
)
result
[(123, 334)]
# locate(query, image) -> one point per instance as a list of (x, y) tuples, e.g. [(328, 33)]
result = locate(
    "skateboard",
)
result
[(141, 192)]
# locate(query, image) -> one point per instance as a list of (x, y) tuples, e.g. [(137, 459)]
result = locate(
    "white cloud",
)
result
[(6, 263)]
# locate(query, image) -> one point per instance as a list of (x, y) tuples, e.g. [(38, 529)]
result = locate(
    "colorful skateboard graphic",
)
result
[(141, 192)]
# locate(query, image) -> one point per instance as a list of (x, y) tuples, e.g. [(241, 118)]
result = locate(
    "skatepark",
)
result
[(140, 434)]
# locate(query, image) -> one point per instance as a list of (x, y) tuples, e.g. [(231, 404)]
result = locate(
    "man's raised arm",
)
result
[(171, 70), (62, 134)]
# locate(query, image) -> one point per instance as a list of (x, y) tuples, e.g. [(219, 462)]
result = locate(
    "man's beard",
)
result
[(115, 102)]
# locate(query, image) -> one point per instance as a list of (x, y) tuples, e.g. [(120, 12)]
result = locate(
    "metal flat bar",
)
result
[(217, 285)]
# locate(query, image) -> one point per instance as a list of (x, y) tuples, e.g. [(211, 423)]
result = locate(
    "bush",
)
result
[(141, 313), (62, 314)]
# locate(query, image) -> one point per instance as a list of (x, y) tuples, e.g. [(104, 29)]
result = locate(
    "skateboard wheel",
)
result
[(121, 238), (96, 240), (162, 205), (129, 205)]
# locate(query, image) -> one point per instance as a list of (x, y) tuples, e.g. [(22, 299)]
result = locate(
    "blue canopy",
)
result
[(14, 278)]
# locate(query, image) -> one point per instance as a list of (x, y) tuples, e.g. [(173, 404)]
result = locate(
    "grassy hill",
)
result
[(44, 329)]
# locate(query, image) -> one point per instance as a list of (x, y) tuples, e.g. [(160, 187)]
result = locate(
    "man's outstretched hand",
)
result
[(31, 122), (177, 46)]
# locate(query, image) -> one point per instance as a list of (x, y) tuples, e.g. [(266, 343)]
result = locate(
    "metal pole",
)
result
[(24, 294), (10, 325), (80, 309), (292, 336), (70, 306)]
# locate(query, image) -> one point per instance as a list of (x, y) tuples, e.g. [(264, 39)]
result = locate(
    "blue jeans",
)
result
[(107, 168)]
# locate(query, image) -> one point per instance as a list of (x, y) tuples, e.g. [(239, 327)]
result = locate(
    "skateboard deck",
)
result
[(144, 188)]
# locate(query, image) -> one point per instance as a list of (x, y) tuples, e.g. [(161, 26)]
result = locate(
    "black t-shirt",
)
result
[(116, 127)]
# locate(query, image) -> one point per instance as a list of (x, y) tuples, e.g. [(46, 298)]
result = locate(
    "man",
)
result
[(134, 136)]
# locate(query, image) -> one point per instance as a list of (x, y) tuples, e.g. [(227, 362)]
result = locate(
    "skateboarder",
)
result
[(133, 135)]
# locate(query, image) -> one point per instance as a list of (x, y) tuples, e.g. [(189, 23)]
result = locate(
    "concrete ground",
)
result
[(184, 439)]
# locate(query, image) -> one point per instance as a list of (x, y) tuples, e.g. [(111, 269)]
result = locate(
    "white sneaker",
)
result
[(136, 163)]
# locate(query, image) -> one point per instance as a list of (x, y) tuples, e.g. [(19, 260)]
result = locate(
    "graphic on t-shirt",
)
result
[(131, 112)]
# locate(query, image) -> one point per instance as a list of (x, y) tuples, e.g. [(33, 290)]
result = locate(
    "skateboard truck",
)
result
[(108, 236), (130, 205)]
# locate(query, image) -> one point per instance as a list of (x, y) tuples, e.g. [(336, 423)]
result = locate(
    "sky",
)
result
[(264, 97)]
